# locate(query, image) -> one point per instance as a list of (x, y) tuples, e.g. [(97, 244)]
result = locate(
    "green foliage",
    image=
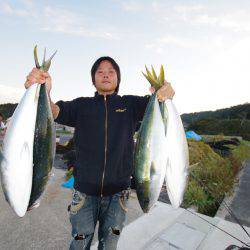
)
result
[(235, 112), (7, 109), (233, 127), (212, 176)]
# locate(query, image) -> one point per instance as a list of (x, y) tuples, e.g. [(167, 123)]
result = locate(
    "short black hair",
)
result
[(114, 64)]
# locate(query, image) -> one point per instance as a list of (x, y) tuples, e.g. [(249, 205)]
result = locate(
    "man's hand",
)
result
[(38, 76), (165, 92)]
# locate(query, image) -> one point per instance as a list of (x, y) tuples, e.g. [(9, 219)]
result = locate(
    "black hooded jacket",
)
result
[(104, 129)]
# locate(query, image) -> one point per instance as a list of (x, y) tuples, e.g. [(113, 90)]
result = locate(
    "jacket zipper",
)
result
[(106, 142)]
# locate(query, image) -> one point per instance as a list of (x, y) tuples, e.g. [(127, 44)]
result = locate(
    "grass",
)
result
[(213, 176)]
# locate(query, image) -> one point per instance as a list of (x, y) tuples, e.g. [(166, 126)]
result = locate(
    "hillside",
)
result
[(229, 121), (235, 112)]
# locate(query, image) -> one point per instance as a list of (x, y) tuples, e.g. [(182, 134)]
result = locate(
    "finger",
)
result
[(159, 95), (160, 99), (34, 79), (46, 74), (31, 79), (36, 71), (39, 76)]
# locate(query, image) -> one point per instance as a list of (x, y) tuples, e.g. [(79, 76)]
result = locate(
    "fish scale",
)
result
[(21, 185), (17, 153), (149, 156), (177, 156), (44, 147)]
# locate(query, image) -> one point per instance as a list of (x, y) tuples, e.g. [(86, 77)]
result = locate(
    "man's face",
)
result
[(1, 118), (105, 78)]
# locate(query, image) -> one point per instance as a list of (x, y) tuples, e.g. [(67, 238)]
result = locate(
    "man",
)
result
[(104, 129)]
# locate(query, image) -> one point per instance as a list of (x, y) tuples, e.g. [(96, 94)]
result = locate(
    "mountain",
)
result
[(233, 121), (241, 111)]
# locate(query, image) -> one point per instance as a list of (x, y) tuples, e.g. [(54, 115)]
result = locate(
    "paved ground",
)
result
[(46, 227), (239, 202), (165, 228)]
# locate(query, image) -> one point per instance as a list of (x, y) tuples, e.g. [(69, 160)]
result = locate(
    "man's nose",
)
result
[(105, 75)]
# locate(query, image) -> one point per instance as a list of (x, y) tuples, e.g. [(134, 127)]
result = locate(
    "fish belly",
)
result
[(16, 164), (177, 156)]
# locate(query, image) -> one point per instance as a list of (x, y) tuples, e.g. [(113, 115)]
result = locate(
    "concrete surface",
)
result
[(48, 227), (239, 201), (168, 228)]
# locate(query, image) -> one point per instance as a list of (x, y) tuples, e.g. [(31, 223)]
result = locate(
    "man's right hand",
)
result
[(38, 76)]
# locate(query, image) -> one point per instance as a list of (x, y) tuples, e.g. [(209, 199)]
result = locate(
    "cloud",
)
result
[(237, 20), (66, 22), (9, 10), (59, 20), (10, 94), (132, 6), (159, 44)]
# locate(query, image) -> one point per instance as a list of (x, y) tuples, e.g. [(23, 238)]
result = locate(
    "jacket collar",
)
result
[(97, 95)]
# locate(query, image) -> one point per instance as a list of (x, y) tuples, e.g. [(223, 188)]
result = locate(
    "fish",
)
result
[(150, 158), (27, 151), (16, 162), (43, 149), (177, 162)]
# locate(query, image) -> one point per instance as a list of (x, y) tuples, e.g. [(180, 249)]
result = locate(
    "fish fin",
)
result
[(153, 73), (25, 150), (161, 77), (152, 169), (36, 58), (44, 56), (47, 63), (36, 204)]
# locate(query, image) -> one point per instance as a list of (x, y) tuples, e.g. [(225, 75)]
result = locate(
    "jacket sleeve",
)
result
[(139, 104), (68, 112)]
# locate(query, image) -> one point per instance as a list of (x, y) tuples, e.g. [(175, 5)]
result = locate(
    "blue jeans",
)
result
[(86, 210)]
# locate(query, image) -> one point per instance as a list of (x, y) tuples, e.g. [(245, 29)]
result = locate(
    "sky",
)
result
[(203, 45)]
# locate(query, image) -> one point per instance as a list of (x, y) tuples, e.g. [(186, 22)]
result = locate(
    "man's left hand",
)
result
[(165, 92)]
